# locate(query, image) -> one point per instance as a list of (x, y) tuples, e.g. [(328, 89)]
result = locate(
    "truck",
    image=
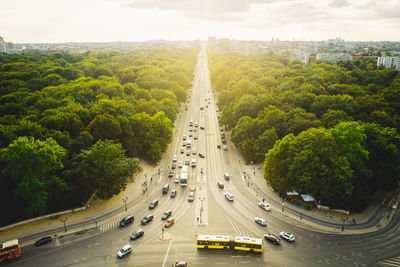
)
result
[(184, 176)]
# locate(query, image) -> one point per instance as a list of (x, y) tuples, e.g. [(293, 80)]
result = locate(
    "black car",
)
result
[(273, 239), (220, 185), (147, 219), (202, 155), (153, 204), (126, 220), (173, 193), (223, 141), (218, 146), (137, 234), (173, 166), (43, 241)]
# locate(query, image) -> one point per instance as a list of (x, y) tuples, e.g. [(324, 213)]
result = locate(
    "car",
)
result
[(272, 238), (221, 129), (287, 236), (177, 179), (225, 148), (202, 155), (169, 222), (218, 146), (146, 219), (226, 176), (191, 196), (202, 127), (220, 184), (174, 158), (264, 206), (166, 214), (196, 124), (126, 220), (260, 221), (180, 264), (137, 234), (180, 164), (124, 251), (187, 162), (223, 135), (42, 241), (171, 174), (188, 153), (190, 129), (223, 141), (195, 138), (194, 151), (173, 193), (153, 204), (165, 189), (182, 150), (190, 134), (228, 196), (173, 166), (184, 137)]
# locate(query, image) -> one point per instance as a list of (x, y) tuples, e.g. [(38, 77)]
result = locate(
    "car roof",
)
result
[(126, 247)]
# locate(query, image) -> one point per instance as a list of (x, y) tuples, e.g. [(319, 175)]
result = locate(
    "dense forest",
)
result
[(331, 130), (75, 124)]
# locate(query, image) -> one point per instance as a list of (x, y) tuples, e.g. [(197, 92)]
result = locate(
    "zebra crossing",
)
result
[(114, 222), (390, 262)]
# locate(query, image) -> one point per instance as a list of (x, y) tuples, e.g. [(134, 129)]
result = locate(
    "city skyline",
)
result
[(46, 21)]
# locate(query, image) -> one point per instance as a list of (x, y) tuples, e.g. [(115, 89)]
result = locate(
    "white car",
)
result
[(180, 164), (194, 151), (264, 206), (182, 150), (260, 221), (177, 179), (184, 137), (174, 159), (226, 176), (225, 148), (287, 236), (125, 250), (229, 196)]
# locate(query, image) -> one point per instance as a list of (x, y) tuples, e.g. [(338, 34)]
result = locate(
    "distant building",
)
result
[(302, 56), (212, 42), (389, 62), (251, 49), (334, 57), (2, 45), (224, 45)]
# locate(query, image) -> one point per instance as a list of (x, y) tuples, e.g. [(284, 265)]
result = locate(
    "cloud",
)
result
[(214, 10), (339, 3)]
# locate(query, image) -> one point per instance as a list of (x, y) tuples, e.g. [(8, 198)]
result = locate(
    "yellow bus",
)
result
[(248, 244), (224, 242), (213, 241)]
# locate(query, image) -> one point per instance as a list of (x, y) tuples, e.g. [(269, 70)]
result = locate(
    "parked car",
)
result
[(173, 193), (153, 204), (226, 176), (124, 251), (287, 236), (126, 220), (137, 234), (166, 214), (223, 141), (169, 222), (146, 219), (272, 238), (260, 221), (42, 241), (264, 206), (229, 196), (220, 184)]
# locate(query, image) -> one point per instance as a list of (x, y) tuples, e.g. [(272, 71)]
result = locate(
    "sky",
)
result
[(41, 21)]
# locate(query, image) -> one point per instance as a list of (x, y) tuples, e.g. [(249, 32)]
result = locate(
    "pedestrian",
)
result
[(263, 200)]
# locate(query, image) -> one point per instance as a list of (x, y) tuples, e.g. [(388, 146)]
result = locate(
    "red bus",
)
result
[(9, 250)]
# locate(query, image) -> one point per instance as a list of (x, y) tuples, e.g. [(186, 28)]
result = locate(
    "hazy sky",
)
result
[(139, 20)]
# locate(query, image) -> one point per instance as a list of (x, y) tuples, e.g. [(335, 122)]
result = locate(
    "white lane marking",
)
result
[(221, 263), (166, 255)]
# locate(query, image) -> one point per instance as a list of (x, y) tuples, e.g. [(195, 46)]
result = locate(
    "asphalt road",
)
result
[(216, 215)]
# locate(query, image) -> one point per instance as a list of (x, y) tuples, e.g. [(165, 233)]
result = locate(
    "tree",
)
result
[(105, 169), (33, 165), (104, 127)]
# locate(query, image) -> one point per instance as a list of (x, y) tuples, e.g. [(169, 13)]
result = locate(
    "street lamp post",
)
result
[(64, 220), (125, 199)]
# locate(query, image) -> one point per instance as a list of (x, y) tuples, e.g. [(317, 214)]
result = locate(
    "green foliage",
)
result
[(122, 101)]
